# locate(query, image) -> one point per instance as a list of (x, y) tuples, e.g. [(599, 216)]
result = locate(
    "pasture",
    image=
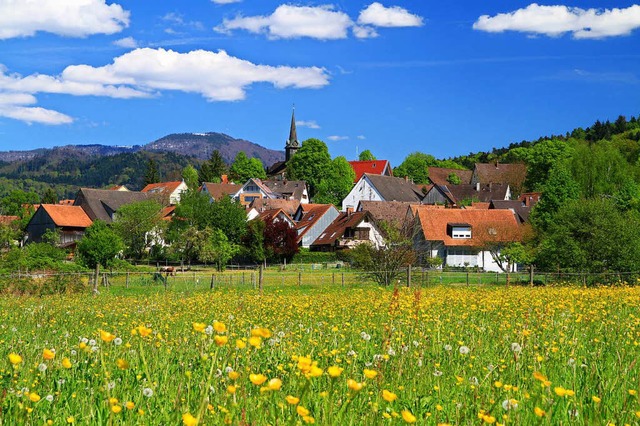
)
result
[(321, 353)]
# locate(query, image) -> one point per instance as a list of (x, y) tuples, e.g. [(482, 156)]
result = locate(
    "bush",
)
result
[(306, 256), (44, 286)]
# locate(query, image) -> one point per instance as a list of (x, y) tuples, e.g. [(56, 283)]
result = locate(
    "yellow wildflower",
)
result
[(66, 362), (257, 379), (408, 417), (596, 399), (122, 364), (255, 341), (198, 327), (389, 396), (106, 336), (539, 412), (370, 374), (15, 359), (302, 411), (116, 409), (220, 340), (219, 327), (48, 354), (334, 371), (189, 420), (353, 385), (292, 399), (274, 384), (34, 397)]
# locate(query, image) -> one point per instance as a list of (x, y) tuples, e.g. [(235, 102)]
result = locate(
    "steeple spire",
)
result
[(292, 144), (293, 133)]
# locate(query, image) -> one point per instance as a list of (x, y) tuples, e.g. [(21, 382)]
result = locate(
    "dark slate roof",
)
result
[(516, 206), (488, 192), (277, 168), (439, 175), (98, 203), (396, 189), (336, 230), (288, 188)]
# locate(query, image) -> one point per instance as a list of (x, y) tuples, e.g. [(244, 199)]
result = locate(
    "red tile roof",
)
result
[(164, 188), (218, 190), (336, 230), (67, 216), (312, 214), (487, 226), (288, 206), (167, 212), (374, 167), (6, 220)]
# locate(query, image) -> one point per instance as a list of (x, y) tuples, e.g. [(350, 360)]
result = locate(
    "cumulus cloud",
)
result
[(147, 72), (311, 124), (288, 21), (321, 22), (394, 16), (335, 138), (71, 18), (127, 43), (557, 20), (17, 106)]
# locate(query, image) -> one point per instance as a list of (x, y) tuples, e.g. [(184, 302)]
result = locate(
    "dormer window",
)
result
[(459, 230)]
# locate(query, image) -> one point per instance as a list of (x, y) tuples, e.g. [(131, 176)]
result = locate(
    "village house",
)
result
[(312, 220), (465, 237), (70, 221), (255, 189), (347, 231), (169, 192), (464, 194), (383, 188), (513, 175), (103, 204), (216, 191)]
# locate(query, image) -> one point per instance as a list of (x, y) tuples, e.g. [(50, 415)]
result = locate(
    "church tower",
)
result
[(292, 144)]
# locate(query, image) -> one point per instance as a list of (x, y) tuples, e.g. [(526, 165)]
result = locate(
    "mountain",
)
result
[(68, 167), (201, 145)]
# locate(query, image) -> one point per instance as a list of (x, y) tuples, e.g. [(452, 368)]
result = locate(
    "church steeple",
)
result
[(292, 144)]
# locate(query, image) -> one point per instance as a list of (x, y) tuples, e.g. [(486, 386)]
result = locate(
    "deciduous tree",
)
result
[(99, 246)]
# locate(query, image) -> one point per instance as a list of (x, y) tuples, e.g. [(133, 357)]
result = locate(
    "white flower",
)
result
[(42, 367), (351, 353), (228, 369), (491, 367), (111, 385), (73, 352), (281, 334), (365, 336), (464, 350), (148, 392), (509, 404), (516, 348), (209, 330), (474, 380), (94, 349), (391, 352), (49, 398), (416, 343), (271, 342), (447, 347), (572, 412), (419, 362), (92, 342), (437, 373), (571, 362), (117, 341)]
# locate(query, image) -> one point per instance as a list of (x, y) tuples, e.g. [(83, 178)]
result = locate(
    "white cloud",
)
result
[(16, 106), (71, 18), (557, 20), (394, 16), (127, 43), (361, 137), (361, 31), (335, 138), (288, 21), (311, 124), (147, 72)]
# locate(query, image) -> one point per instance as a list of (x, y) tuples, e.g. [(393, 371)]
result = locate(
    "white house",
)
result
[(372, 187), (311, 221), (169, 192), (347, 231), (465, 237)]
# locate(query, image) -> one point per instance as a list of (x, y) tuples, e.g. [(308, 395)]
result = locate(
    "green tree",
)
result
[(540, 159), (311, 163), (416, 166), (14, 203), (366, 155), (212, 169), (558, 190), (244, 168), (50, 196), (599, 169), (99, 246), (591, 236), (229, 216), (337, 184), (190, 177), (217, 248), (139, 225), (9, 235), (253, 241), (454, 179), (152, 175)]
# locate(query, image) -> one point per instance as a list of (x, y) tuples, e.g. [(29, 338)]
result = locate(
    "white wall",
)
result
[(363, 190)]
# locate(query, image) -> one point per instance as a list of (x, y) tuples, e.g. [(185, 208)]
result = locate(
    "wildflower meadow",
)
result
[(355, 355)]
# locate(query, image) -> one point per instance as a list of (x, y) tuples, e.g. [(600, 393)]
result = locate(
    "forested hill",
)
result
[(601, 158)]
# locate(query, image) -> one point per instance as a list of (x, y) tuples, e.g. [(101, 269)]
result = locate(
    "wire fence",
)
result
[(314, 276)]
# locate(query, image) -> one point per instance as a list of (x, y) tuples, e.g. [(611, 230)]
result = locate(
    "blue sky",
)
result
[(393, 77)]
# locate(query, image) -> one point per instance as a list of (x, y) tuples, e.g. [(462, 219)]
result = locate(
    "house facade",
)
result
[(382, 188), (70, 221), (312, 220), (168, 192), (465, 237), (347, 231)]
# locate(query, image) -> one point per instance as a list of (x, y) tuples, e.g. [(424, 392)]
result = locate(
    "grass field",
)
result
[(322, 353)]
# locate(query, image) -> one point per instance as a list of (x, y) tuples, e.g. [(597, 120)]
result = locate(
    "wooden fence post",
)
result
[(467, 277), (343, 279), (127, 281), (260, 280), (333, 278), (409, 276), (299, 278), (213, 282)]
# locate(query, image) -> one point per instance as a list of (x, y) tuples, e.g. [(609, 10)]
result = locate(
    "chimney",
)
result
[(224, 179), (478, 186), (406, 178), (489, 186), (349, 211), (496, 164)]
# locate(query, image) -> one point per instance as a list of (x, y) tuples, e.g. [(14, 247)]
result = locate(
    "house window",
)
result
[(459, 230)]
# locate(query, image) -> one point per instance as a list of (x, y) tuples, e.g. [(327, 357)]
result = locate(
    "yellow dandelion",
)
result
[(66, 363), (189, 420), (15, 359), (408, 417), (370, 374), (198, 327), (389, 396), (334, 371), (48, 354), (122, 364), (274, 384), (220, 340), (106, 336), (219, 327), (292, 400), (302, 411), (257, 379)]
